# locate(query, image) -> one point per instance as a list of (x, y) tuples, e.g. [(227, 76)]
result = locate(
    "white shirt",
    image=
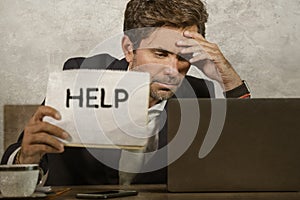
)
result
[(135, 162)]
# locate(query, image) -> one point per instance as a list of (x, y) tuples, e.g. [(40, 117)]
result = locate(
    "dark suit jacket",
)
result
[(78, 166)]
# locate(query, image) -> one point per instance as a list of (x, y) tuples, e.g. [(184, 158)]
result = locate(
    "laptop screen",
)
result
[(233, 145)]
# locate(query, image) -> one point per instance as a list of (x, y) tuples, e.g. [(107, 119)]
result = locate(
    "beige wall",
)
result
[(260, 38)]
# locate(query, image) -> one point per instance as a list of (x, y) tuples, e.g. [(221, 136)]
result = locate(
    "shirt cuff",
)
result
[(12, 157), (241, 91)]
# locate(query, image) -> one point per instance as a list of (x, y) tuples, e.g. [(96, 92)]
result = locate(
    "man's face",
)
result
[(159, 56)]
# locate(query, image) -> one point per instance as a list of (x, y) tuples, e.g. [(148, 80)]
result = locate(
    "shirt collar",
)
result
[(158, 107)]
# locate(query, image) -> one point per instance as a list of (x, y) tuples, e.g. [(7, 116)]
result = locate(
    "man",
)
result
[(161, 37)]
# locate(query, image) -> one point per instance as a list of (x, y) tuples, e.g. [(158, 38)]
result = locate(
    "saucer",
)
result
[(35, 195)]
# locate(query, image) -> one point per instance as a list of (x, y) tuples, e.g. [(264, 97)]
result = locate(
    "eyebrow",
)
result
[(185, 57), (161, 50)]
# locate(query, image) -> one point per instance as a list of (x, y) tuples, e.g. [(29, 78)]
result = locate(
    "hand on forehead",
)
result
[(164, 38)]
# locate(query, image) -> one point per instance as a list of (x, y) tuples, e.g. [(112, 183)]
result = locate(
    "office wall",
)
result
[(259, 38)]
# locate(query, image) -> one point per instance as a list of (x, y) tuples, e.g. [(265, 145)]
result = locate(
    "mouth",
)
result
[(166, 86)]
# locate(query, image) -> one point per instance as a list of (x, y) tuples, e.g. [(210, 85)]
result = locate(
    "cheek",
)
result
[(142, 58), (146, 64)]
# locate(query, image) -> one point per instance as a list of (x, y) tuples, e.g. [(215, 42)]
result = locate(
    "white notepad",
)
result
[(101, 108)]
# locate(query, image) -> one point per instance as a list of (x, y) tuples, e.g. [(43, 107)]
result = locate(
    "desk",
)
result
[(159, 192)]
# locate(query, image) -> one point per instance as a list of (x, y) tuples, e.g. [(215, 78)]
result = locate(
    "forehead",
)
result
[(165, 38)]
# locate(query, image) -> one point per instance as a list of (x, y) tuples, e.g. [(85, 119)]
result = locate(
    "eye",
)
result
[(161, 54)]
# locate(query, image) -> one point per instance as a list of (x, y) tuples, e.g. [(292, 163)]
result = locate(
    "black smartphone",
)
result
[(106, 194)]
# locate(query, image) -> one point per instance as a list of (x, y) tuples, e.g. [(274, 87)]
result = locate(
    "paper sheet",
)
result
[(100, 107)]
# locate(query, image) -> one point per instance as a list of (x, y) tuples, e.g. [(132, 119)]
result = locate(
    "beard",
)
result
[(160, 95), (163, 93)]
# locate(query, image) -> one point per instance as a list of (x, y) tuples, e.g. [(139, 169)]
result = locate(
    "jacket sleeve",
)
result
[(9, 151)]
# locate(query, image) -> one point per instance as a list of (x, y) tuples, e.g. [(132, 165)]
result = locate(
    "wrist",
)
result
[(230, 85), (19, 159)]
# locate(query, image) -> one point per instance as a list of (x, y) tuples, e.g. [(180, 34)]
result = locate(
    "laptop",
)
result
[(245, 145)]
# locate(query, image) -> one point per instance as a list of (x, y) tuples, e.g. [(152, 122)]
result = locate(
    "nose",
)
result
[(172, 66)]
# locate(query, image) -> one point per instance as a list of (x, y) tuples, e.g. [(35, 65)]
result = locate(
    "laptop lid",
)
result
[(244, 145)]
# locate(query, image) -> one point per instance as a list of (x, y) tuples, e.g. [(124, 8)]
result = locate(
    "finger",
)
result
[(194, 43), (46, 139), (200, 57), (198, 53), (195, 35), (187, 43), (48, 128), (195, 50), (199, 39), (207, 53), (43, 111), (192, 49)]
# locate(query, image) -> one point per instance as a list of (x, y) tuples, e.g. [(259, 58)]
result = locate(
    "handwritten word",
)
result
[(91, 95)]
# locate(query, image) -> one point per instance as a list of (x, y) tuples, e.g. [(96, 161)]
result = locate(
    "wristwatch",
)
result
[(239, 91)]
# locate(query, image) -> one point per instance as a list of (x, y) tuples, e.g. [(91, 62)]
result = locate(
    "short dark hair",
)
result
[(159, 13)]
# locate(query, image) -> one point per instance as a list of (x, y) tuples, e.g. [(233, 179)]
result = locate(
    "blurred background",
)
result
[(259, 38)]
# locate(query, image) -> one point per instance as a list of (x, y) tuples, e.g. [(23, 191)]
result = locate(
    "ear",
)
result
[(127, 47)]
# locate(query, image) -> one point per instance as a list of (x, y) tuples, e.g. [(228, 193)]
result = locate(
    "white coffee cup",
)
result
[(18, 180)]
